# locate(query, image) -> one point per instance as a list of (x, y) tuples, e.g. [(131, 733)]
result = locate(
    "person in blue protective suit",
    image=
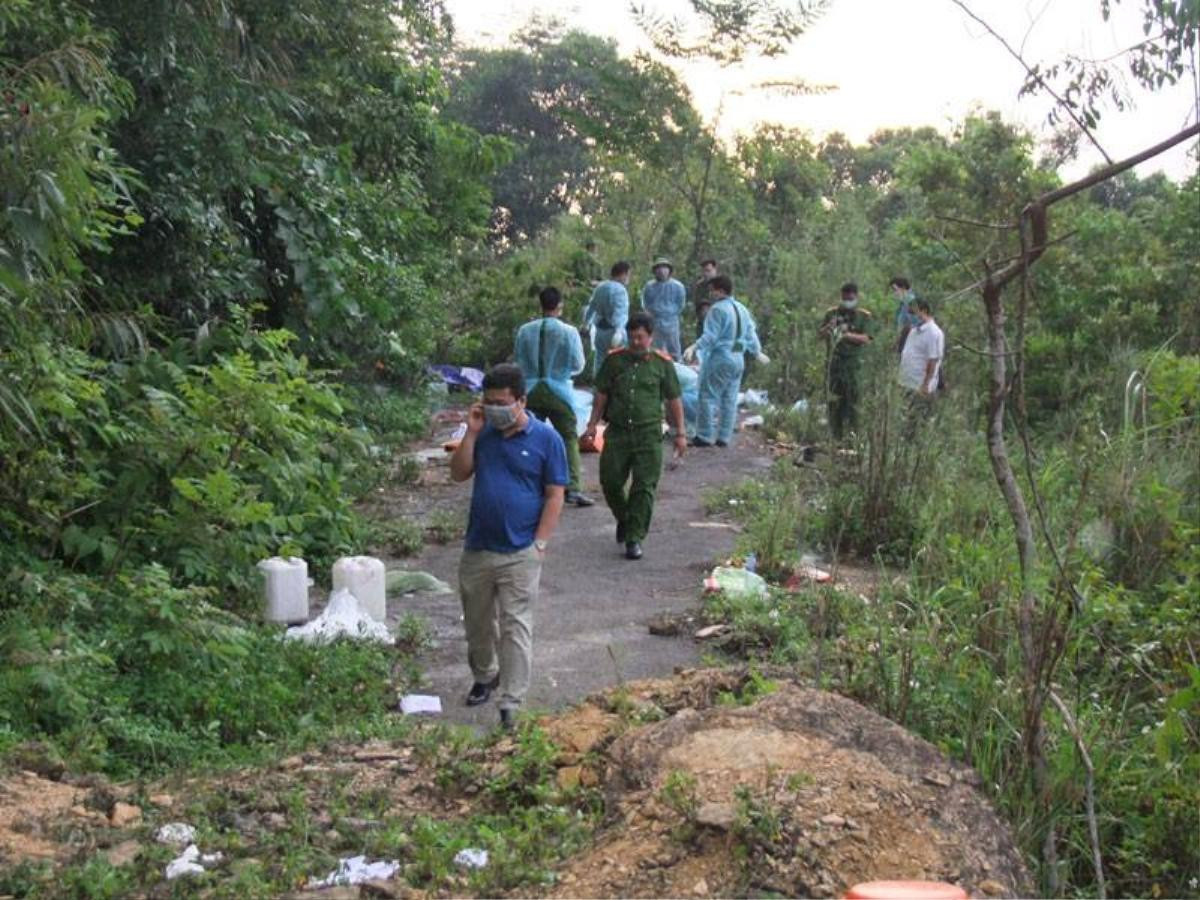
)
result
[(906, 316), (729, 334), (607, 313), (550, 354), (664, 298)]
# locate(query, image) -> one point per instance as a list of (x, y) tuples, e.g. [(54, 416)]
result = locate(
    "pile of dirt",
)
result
[(35, 811), (715, 782), (799, 792)]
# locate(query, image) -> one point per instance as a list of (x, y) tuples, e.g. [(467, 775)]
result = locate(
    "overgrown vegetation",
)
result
[(234, 234), (933, 644)]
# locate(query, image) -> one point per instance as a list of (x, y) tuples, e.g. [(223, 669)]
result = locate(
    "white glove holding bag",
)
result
[(762, 359), (689, 355)]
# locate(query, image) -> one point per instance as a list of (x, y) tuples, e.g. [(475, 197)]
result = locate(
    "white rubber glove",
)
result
[(762, 359), (689, 355)]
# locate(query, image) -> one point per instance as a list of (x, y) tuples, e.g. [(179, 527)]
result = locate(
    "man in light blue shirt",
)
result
[(664, 298), (550, 354), (607, 312), (729, 334)]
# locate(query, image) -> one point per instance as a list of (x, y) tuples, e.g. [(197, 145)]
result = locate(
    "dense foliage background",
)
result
[(233, 234)]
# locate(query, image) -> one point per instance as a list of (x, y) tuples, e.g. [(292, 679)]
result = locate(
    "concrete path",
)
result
[(590, 625)]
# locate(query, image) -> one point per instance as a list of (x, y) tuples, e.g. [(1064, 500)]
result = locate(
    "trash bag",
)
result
[(735, 583)]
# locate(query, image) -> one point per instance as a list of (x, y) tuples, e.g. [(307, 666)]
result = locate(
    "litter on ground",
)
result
[(402, 581), (191, 862), (343, 617), (735, 582), (805, 574), (356, 870), (753, 422), (459, 376), (176, 834), (753, 398), (414, 704), (471, 858)]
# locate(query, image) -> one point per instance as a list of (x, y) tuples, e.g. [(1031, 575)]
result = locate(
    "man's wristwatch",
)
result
[(540, 546)]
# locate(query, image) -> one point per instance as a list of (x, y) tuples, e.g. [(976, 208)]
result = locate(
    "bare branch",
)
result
[(1029, 71), (1001, 226), (1093, 828)]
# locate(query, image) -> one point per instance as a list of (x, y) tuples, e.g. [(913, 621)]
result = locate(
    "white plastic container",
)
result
[(365, 578), (285, 589)]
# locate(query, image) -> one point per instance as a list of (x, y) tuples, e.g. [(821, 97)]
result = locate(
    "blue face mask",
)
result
[(501, 418)]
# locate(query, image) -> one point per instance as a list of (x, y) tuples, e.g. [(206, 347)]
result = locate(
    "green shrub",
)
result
[(140, 676)]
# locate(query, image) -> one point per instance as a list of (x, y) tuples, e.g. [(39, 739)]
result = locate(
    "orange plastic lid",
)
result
[(905, 890)]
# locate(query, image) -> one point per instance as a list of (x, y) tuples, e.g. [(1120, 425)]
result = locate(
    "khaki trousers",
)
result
[(498, 591)]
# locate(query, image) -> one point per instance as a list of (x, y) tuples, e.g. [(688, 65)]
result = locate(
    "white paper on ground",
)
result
[(191, 862), (420, 703), (471, 858), (343, 617), (356, 870), (176, 834)]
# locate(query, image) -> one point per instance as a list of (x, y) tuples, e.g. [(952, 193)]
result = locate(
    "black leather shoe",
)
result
[(633, 550), (507, 720), (481, 691), (722, 443), (620, 532), (578, 499), (700, 442)]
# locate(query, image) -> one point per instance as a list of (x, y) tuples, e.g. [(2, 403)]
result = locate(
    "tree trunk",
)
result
[(1027, 612)]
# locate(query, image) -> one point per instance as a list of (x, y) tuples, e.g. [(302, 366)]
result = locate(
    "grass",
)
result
[(481, 795)]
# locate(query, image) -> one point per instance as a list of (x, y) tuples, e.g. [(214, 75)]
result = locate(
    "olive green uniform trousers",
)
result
[(843, 397), (547, 405), (632, 456)]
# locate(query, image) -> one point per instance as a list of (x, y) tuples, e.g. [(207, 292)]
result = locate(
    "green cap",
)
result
[(663, 261)]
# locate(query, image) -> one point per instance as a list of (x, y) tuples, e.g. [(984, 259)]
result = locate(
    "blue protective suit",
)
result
[(550, 350), (729, 334), (905, 316), (665, 300), (606, 314), (689, 386)]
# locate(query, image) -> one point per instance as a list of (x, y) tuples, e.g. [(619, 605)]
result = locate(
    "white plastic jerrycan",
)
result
[(364, 577), (285, 589)]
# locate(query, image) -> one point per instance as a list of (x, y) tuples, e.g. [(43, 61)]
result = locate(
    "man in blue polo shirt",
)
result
[(520, 469)]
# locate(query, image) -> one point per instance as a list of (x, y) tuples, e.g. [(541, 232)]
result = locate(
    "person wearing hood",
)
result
[(607, 312), (846, 328), (550, 354), (664, 298), (729, 334), (520, 469)]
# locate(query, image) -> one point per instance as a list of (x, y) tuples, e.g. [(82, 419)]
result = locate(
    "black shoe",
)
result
[(507, 720), (620, 532), (700, 442), (579, 499), (480, 691), (633, 550), (722, 443)]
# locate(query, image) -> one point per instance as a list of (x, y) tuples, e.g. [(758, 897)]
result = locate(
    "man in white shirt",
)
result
[(923, 353)]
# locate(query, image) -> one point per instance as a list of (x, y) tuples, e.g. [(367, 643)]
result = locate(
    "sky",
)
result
[(895, 63)]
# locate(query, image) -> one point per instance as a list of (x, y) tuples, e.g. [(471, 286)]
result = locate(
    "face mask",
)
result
[(849, 304), (501, 418)]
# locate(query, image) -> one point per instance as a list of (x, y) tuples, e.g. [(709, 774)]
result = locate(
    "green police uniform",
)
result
[(636, 388), (844, 363)]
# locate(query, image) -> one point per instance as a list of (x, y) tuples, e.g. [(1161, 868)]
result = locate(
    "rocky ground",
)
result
[(713, 782)]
